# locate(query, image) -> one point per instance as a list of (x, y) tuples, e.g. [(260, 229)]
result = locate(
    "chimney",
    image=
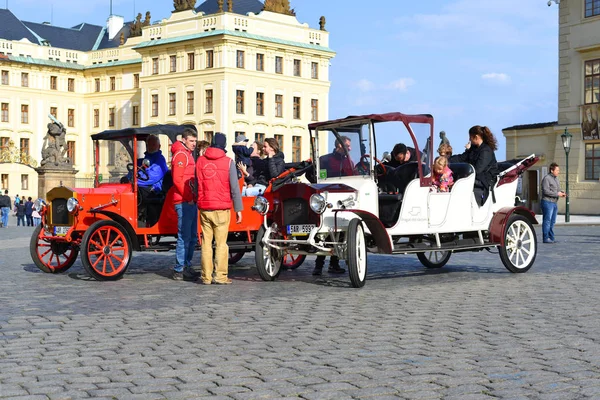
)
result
[(114, 23)]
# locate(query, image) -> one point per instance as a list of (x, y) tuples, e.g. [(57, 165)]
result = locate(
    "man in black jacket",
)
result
[(401, 154), (4, 208)]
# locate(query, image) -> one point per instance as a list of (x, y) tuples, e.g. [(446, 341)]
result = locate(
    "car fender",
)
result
[(382, 239), (500, 219), (125, 224)]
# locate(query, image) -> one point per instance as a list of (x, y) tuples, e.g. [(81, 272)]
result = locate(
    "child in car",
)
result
[(442, 179)]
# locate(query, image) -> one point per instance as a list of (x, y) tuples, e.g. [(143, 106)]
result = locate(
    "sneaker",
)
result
[(549, 241), (225, 282), (317, 271), (190, 275), (335, 269), (177, 276)]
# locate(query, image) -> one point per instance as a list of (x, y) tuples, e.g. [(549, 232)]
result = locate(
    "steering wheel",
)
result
[(363, 165)]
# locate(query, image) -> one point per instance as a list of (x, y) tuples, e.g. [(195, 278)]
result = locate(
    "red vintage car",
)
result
[(110, 221)]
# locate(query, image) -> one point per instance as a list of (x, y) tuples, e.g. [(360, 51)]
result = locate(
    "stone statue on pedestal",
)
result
[(54, 149)]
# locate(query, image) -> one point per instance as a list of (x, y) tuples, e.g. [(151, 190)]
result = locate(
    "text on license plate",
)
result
[(61, 230), (299, 230)]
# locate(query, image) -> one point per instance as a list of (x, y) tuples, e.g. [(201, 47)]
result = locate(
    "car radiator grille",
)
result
[(295, 212), (60, 215)]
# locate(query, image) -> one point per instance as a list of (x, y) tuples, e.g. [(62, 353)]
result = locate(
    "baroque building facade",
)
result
[(231, 68), (578, 110)]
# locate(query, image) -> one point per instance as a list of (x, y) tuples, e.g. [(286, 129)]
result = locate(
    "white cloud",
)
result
[(365, 85), (496, 77), (402, 84)]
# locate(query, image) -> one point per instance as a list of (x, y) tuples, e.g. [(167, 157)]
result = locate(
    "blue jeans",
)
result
[(549, 211), (5, 211), (187, 235), (20, 220)]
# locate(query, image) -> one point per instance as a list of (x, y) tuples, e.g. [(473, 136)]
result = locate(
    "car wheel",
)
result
[(235, 256), (520, 245), (106, 250), (357, 253), (434, 259), (50, 256), (268, 260), (293, 261)]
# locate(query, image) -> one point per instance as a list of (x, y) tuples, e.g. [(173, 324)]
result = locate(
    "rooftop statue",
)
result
[(278, 6), (54, 149), (220, 4), (322, 23), (230, 5), (135, 28), (147, 19), (183, 5)]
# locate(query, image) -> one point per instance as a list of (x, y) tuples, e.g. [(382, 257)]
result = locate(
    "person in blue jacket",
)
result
[(151, 171)]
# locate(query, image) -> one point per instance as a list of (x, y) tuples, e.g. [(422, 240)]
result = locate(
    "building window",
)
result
[(210, 58), (239, 101), (4, 181), (172, 103), (155, 105), (24, 79), (136, 81), (71, 85), (240, 59), (314, 110), (296, 148), (4, 143), (279, 139), (112, 150), (190, 102), (279, 105), (136, 115), (53, 82), (97, 84), (4, 112), (592, 8), (24, 113), (24, 182), (173, 63), (296, 107), (54, 112), (314, 70), (260, 103), (208, 136), (191, 61), (592, 161), (96, 118), (260, 62), (155, 66), (111, 116), (24, 146), (113, 83), (259, 137), (209, 101), (5, 77), (592, 82), (297, 68), (71, 117), (71, 150), (279, 65)]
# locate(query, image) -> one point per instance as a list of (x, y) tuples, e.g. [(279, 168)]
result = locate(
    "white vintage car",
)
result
[(358, 205)]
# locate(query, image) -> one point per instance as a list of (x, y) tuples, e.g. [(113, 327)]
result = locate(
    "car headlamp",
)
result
[(318, 203), (39, 205), (72, 205), (261, 205)]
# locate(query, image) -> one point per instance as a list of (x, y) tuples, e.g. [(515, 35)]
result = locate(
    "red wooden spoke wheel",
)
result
[(293, 261), (54, 256), (106, 250)]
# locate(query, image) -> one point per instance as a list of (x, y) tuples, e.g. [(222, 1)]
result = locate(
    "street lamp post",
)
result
[(566, 142)]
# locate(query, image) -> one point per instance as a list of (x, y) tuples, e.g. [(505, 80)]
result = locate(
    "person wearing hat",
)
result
[(218, 191)]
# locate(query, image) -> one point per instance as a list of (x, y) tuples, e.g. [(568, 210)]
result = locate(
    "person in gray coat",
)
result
[(550, 195)]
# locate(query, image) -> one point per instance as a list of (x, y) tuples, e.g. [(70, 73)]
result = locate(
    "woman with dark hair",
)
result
[(480, 154), (275, 159)]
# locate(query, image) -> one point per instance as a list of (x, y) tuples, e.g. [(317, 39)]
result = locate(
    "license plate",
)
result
[(300, 230), (61, 230)]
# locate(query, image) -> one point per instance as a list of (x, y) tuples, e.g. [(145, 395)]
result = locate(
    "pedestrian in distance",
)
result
[(21, 213), (550, 194), (218, 191), (29, 212), (183, 168), (5, 203)]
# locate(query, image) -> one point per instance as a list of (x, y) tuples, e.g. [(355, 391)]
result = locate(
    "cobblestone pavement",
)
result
[(471, 330)]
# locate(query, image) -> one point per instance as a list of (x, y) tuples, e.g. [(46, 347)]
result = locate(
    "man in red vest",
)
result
[(183, 170), (218, 191)]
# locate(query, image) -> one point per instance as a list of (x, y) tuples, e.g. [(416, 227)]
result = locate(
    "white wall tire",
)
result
[(357, 253), (520, 245), (268, 260)]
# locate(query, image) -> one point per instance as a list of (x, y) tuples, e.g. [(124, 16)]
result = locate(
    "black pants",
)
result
[(333, 261)]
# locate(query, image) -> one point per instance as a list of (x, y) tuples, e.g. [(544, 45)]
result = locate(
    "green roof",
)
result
[(158, 42), (62, 64), (114, 63)]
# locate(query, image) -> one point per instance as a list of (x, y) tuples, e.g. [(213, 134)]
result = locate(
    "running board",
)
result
[(452, 247)]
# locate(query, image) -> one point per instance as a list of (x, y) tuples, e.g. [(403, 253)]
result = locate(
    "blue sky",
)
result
[(466, 62)]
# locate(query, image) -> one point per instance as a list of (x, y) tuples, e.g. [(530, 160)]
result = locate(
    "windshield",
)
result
[(343, 151)]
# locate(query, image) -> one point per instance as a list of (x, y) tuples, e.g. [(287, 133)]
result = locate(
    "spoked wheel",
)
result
[(235, 256), (293, 261), (106, 250), (520, 244), (357, 253), (434, 259), (52, 257), (268, 260)]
